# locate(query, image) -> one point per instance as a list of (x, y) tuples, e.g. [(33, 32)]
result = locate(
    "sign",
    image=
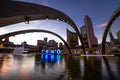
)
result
[(51, 55)]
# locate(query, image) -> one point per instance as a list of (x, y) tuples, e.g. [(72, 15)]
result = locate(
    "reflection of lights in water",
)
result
[(98, 55), (58, 57)]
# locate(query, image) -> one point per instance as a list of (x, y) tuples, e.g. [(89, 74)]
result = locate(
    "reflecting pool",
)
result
[(58, 67)]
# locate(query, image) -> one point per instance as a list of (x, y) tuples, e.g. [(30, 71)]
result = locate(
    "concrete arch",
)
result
[(33, 30), (15, 12), (112, 19)]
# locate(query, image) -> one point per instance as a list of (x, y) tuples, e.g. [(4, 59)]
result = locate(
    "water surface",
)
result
[(27, 67)]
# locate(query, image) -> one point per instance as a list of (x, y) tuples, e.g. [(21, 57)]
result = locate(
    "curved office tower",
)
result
[(87, 33)]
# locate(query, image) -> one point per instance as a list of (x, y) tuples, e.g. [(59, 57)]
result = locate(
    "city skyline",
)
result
[(76, 10)]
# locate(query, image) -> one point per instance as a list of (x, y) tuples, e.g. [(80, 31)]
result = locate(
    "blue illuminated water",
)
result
[(50, 58)]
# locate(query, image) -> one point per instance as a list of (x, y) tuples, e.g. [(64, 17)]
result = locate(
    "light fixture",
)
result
[(26, 20), (3, 39), (1, 45), (47, 18), (57, 18), (68, 22)]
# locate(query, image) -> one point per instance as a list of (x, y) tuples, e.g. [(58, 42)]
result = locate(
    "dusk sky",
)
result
[(99, 11)]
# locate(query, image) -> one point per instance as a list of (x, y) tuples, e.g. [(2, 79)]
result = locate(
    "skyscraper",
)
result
[(72, 39), (111, 36), (87, 33), (52, 44), (40, 44), (84, 36), (45, 40)]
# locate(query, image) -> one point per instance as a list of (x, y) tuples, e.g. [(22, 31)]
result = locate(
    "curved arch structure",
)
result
[(33, 30), (15, 12), (112, 19)]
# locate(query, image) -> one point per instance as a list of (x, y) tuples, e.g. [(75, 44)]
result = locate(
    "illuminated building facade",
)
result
[(87, 33), (72, 39)]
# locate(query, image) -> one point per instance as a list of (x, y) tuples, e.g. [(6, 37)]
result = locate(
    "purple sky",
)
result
[(99, 11)]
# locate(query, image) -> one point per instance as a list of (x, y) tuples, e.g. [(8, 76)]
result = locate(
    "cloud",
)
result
[(102, 25)]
